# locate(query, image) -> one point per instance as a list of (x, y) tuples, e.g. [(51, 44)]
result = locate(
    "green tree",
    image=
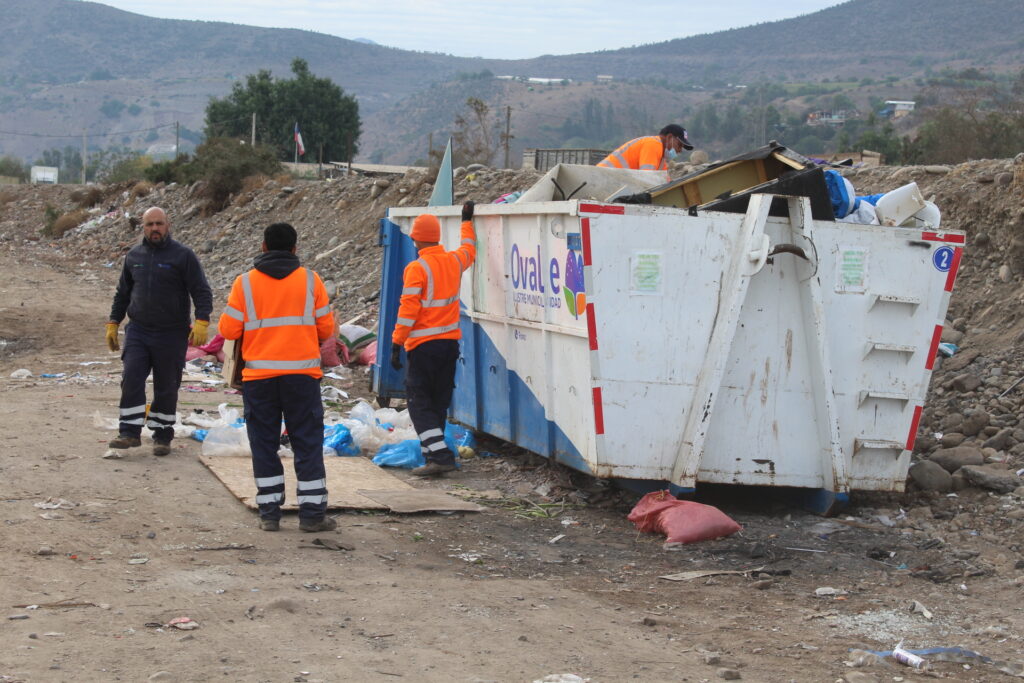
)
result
[(13, 168), (68, 161), (325, 114), (475, 139)]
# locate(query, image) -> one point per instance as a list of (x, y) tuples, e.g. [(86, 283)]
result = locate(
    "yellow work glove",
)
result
[(112, 337), (198, 335)]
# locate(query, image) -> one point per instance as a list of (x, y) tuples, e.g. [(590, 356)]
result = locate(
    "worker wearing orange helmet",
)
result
[(650, 153), (428, 329)]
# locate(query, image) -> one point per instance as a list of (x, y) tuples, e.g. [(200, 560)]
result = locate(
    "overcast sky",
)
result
[(503, 30)]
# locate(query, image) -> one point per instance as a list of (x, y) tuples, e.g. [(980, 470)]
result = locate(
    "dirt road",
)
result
[(469, 597)]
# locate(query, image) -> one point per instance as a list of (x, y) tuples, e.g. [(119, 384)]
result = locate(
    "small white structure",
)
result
[(900, 108), (44, 174)]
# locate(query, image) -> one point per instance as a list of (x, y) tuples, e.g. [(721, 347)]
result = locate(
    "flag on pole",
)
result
[(298, 140)]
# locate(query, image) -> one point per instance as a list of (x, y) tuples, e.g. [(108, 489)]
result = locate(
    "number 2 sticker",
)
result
[(942, 259)]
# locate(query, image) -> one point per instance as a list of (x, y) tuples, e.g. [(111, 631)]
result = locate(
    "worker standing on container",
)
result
[(650, 153), (428, 328), (281, 312), (157, 280)]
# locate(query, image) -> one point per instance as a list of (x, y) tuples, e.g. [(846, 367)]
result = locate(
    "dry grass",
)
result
[(250, 187), (7, 197), (284, 179), (295, 199), (67, 222), (141, 189), (87, 197)]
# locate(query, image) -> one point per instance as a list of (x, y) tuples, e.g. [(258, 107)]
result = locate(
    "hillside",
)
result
[(71, 66)]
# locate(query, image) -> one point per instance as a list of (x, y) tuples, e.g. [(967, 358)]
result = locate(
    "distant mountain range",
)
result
[(69, 66)]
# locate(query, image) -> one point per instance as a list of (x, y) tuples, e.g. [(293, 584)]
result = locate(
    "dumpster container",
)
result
[(644, 343)]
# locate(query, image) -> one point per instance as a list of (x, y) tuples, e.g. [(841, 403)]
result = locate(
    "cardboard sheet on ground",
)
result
[(420, 500), (353, 483), (347, 478)]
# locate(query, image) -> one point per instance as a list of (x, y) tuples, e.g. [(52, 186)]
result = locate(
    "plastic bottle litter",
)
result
[(907, 658)]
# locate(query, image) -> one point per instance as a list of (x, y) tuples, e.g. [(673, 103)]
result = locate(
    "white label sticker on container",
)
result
[(645, 273), (852, 270)]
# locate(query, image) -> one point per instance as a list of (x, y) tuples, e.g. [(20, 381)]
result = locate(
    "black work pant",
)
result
[(296, 398), (428, 391), (162, 353)]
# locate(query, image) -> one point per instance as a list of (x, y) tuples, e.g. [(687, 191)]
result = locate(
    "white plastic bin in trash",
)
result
[(643, 343)]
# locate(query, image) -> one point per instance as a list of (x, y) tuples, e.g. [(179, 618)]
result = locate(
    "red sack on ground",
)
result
[(214, 345), (682, 521), (368, 354), (193, 352), (329, 349)]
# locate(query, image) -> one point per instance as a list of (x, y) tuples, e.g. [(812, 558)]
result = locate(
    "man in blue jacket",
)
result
[(157, 280)]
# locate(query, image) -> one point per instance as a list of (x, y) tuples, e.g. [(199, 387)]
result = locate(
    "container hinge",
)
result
[(877, 445), (882, 346), (881, 395), (893, 299)]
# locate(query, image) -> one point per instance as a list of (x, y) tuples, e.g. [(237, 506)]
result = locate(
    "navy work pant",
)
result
[(162, 353), (296, 398), (429, 383)]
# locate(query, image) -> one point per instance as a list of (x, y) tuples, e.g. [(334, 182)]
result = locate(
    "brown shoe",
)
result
[(161, 447), (125, 441), (313, 525), (434, 469), (270, 524)]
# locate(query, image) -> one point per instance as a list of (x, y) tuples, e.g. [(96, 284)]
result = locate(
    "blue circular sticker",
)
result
[(942, 259)]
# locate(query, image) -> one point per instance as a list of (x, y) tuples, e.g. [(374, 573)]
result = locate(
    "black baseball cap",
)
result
[(678, 131)]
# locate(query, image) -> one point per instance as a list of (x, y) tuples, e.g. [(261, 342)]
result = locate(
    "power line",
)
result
[(114, 134)]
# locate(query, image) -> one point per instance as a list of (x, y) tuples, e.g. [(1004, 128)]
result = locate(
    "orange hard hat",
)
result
[(426, 228)]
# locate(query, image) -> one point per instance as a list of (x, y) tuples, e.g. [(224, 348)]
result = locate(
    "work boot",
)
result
[(434, 469), (161, 447), (322, 524), (125, 441), (270, 524)]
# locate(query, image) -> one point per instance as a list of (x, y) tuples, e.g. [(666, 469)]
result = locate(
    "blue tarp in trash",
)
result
[(408, 454)]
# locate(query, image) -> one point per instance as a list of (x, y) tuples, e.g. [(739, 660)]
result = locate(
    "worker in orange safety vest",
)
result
[(650, 153), (428, 328), (281, 312)]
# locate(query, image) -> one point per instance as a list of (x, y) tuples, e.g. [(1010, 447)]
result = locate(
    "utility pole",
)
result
[(320, 165), (507, 137), (430, 149), (252, 137), (348, 151), (177, 137), (84, 156)]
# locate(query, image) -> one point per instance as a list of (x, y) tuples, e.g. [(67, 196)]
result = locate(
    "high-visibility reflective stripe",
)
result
[(406, 321), (468, 241), (140, 421), (283, 364), (458, 257), (321, 312), (411, 290), (263, 482), (425, 332), (265, 498), (430, 433), (647, 167), (316, 500), (132, 411), (163, 416), (280, 322), (437, 446), (310, 282), (430, 278), (250, 305), (234, 313), (438, 303), (312, 485)]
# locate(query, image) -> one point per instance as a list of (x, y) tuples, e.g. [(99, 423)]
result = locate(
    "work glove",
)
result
[(467, 210), (112, 337), (396, 356), (197, 337)]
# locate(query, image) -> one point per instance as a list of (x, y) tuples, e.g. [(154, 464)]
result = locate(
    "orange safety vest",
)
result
[(643, 154), (430, 293), (281, 322)]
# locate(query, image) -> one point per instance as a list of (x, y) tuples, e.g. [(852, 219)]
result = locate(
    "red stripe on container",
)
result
[(598, 412), (943, 237), (912, 437), (602, 208), (953, 268), (933, 349), (585, 228), (591, 327)]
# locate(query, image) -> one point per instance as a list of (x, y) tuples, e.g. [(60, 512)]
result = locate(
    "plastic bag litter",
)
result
[(682, 521), (226, 440), (338, 441), (373, 429), (107, 423), (21, 373), (405, 454)]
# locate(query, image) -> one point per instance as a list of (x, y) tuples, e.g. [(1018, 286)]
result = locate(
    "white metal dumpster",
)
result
[(641, 342)]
